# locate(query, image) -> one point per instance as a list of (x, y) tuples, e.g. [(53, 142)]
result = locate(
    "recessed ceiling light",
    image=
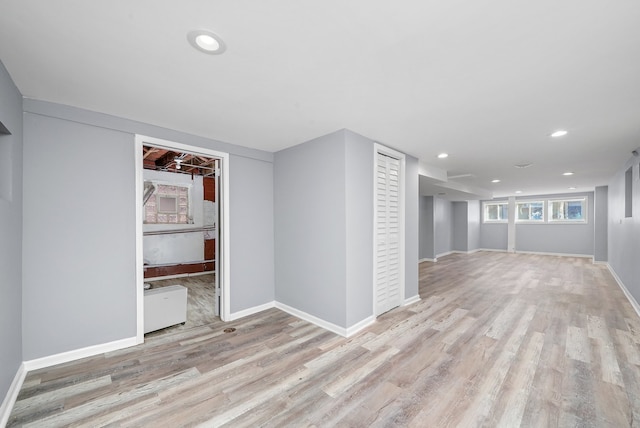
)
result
[(572, 188), (518, 191), (495, 181), (443, 156), (206, 41), (567, 173), (559, 133)]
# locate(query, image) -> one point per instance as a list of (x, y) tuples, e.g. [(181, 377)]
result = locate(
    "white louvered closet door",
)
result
[(387, 230)]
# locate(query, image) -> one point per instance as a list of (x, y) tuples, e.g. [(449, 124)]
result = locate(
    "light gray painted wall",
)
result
[(473, 225), (426, 231), (79, 236), (310, 227), (11, 148), (624, 233), (600, 238), (460, 233), (411, 227), (251, 233), (493, 236), (558, 238), (359, 227), (443, 228), (324, 227), (78, 136)]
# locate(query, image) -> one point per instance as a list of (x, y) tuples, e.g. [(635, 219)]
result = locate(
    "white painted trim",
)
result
[(359, 326), (630, 298), (312, 319), (12, 394), (379, 148), (76, 354), (492, 249), (139, 284), (250, 311), (542, 253), (412, 300), (465, 252), (444, 254), (427, 260), (224, 231)]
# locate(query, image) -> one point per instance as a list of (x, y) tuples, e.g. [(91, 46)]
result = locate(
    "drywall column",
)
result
[(427, 250), (11, 165), (511, 228), (601, 218)]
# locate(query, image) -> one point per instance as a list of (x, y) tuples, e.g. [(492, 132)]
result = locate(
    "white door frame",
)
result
[(223, 233), (379, 148)]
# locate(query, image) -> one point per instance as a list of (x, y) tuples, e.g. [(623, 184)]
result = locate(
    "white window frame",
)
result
[(485, 205), (530, 220), (583, 220)]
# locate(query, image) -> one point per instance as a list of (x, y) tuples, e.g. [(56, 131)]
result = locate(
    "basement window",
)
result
[(532, 211), (496, 212), (169, 204), (568, 210)]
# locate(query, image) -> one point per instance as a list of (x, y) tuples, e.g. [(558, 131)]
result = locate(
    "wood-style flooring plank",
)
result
[(497, 339)]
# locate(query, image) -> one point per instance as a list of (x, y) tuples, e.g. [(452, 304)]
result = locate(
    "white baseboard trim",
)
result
[(427, 260), (312, 319), (465, 252), (630, 298), (76, 354), (250, 311), (444, 254), (12, 395), (411, 300), (544, 253), (360, 326), (495, 250)]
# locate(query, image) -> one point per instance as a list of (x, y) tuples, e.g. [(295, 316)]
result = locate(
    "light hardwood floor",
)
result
[(497, 340)]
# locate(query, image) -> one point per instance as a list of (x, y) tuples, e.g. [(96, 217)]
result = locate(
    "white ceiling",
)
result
[(485, 81)]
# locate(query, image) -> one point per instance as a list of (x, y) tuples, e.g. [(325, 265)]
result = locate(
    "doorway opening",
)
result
[(182, 236)]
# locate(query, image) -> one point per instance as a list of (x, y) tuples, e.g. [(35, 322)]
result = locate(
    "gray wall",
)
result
[(473, 225), (411, 227), (79, 236), (460, 226), (359, 227), (251, 231), (10, 232), (624, 232), (443, 229), (310, 227), (324, 227), (79, 275), (601, 223), (558, 238), (426, 232)]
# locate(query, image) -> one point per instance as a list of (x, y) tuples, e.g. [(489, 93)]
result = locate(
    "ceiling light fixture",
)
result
[(206, 41), (443, 156), (572, 188), (518, 192), (567, 173), (495, 181), (559, 133)]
